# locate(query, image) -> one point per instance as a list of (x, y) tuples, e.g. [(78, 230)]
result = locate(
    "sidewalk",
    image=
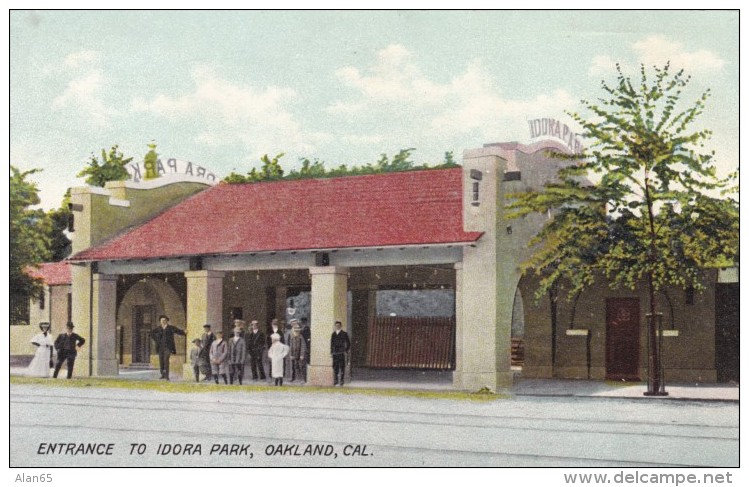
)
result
[(442, 381), (592, 388)]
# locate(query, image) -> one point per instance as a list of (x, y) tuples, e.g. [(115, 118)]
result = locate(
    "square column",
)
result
[(205, 300), (329, 304), (104, 336)]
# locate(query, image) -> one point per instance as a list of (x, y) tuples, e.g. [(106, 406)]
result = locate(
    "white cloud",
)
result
[(657, 50), (394, 88), (602, 66), (363, 139), (83, 94), (82, 58), (258, 118), (393, 77)]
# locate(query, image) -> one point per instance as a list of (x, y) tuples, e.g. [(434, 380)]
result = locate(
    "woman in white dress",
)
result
[(42, 361), (276, 354)]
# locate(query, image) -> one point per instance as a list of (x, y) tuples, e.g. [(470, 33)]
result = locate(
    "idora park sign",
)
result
[(552, 128), (149, 170)]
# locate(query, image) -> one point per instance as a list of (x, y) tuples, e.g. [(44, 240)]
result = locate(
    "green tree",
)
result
[(650, 214), (29, 230), (110, 168), (59, 218), (271, 169)]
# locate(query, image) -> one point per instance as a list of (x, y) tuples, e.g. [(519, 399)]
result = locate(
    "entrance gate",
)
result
[(411, 342)]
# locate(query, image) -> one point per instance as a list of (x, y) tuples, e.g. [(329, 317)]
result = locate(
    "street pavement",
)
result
[(539, 425)]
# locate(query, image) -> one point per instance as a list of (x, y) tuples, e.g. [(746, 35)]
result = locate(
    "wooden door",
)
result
[(143, 317), (622, 338), (727, 332)]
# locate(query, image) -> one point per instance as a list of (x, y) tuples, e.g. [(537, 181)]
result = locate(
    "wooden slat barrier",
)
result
[(518, 352), (411, 342)]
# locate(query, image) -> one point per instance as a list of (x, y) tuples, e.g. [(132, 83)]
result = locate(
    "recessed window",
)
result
[(475, 200)]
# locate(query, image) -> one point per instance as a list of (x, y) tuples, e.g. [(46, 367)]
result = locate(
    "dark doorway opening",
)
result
[(622, 338), (727, 332), (143, 318)]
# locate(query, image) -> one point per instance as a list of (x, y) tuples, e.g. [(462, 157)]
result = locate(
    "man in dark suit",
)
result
[(205, 350), (67, 345), (163, 335), (339, 347), (255, 347)]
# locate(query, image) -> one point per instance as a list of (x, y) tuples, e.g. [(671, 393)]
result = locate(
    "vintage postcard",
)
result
[(385, 238)]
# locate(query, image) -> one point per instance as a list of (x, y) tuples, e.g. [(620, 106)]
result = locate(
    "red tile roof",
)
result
[(405, 208), (52, 273)]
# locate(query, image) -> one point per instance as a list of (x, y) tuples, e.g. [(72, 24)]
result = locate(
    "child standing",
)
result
[(195, 358), (219, 355), (276, 353)]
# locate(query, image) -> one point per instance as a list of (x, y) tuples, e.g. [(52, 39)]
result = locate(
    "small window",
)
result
[(19, 309), (42, 299), (70, 307), (475, 201)]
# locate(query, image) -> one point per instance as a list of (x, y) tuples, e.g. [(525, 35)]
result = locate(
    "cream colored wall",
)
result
[(55, 312)]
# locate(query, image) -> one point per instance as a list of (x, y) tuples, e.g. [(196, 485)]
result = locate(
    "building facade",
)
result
[(421, 267)]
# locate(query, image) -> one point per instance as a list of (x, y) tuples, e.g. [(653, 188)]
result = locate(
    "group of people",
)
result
[(287, 352), (64, 348)]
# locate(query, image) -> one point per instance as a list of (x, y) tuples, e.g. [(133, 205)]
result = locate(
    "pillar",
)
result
[(104, 330), (204, 305), (329, 304)]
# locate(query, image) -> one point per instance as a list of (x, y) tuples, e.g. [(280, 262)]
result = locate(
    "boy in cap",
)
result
[(297, 353), (195, 358), (219, 357)]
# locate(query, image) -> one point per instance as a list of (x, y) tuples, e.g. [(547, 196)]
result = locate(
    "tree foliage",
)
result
[(60, 246), (29, 230), (271, 169), (650, 216), (111, 167)]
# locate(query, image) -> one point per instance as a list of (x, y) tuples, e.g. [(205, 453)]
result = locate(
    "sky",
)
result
[(222, 88)]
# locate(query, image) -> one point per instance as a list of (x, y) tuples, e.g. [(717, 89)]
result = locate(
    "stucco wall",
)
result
[(688, 357), (55, 312)]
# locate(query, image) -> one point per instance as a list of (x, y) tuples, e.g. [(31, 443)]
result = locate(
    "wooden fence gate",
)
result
[(411, 343)]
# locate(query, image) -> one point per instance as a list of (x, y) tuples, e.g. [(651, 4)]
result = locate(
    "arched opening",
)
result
[(517, 352), (138, 314)]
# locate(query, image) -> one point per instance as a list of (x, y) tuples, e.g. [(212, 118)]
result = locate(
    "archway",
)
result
[(138, 313)]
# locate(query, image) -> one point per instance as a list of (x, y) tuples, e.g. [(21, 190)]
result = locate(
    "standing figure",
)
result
[(163, 335), (195, 358), (255, 349), (219, 357), (276, 353), (298, 352), (307, 334), (205, 351), (42, 361), (237, 356), (339, 347), (240, 324), (67, 345)]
